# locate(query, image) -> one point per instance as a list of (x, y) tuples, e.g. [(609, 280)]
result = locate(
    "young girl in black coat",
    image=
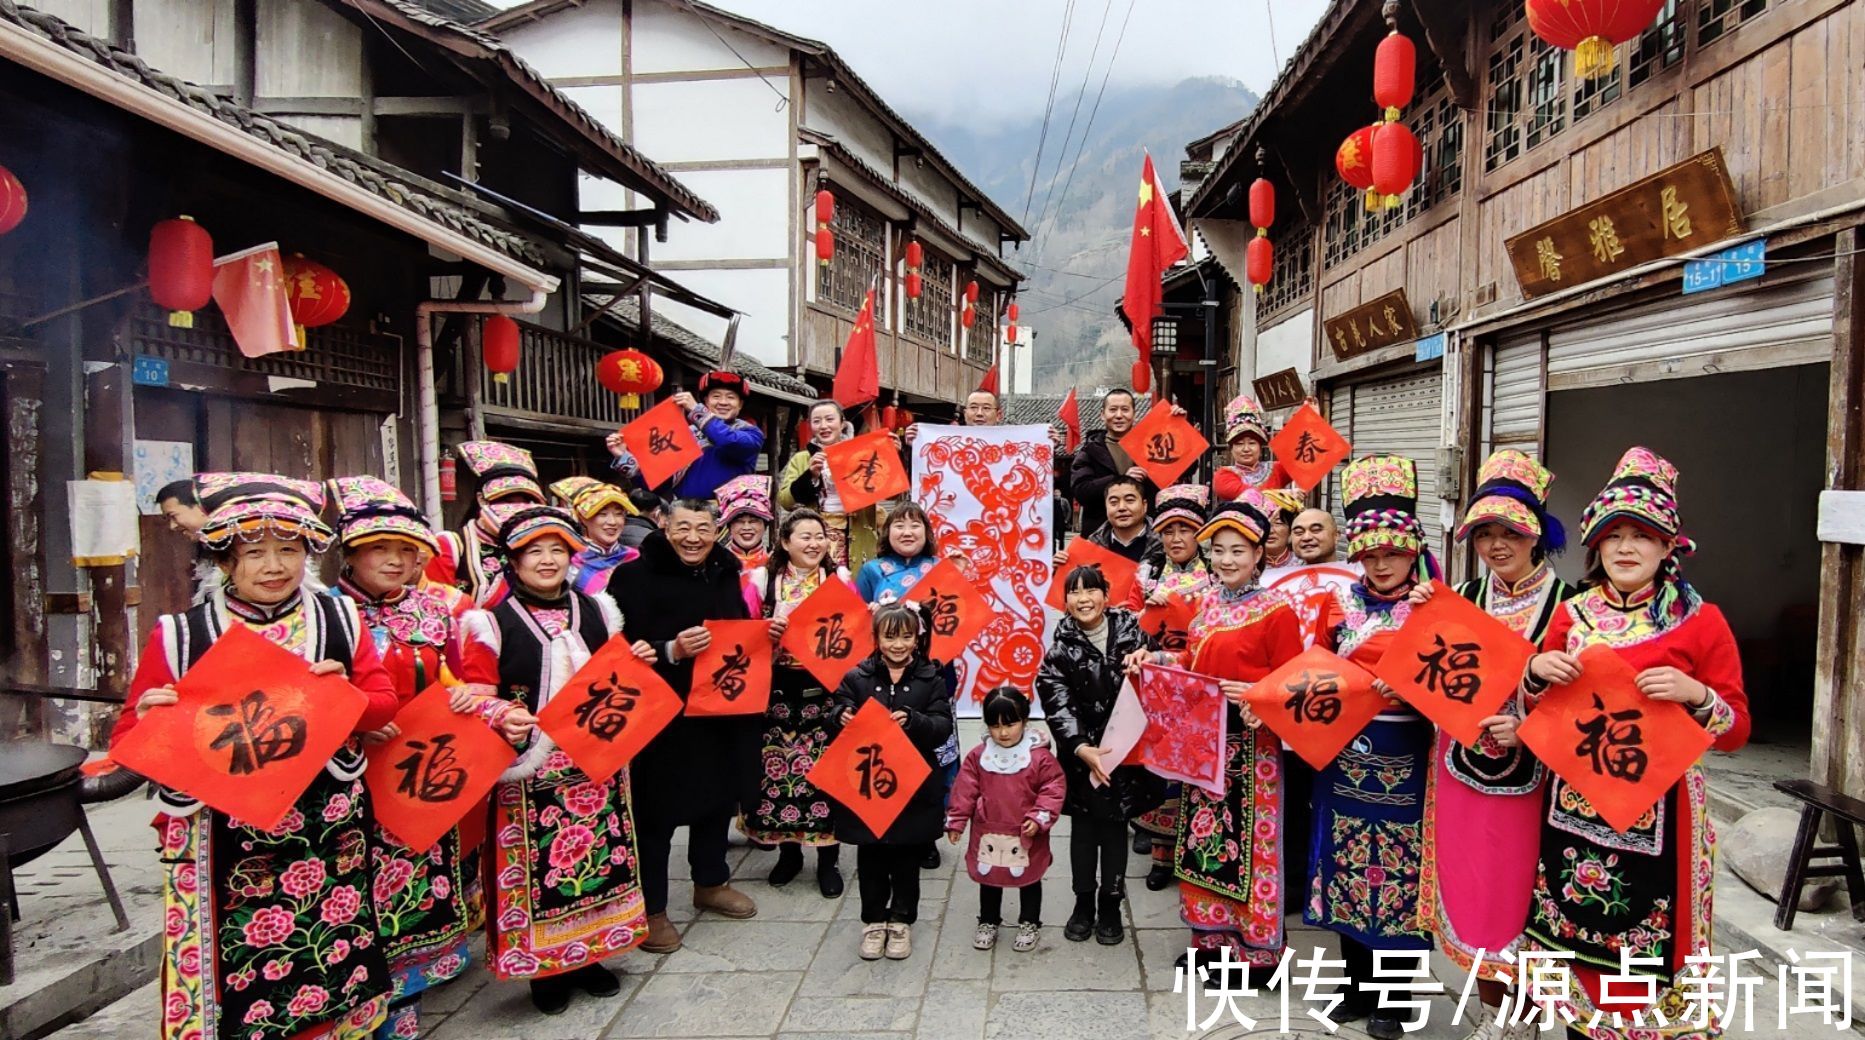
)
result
[(888, 865)]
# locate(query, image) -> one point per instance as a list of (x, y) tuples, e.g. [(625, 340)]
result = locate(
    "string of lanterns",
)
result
[(969, 315), (825, 236)]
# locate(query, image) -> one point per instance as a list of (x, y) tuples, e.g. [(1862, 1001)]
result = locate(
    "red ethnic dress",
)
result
[(1191, 582), (797, 730)]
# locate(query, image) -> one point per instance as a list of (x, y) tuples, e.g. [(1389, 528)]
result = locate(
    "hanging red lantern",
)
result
[(1395, 161), (1259, 261), (968, 316), (1010, 334), (913, 285), (971, 292), (498, 346), (181, 269), (1262, 202), (317, 294), (1010, 312), (1354, 159), (825, 207), (12, 201), (916, 256), (1395, 73), (1591, 28), (825, 245), (629, 374)]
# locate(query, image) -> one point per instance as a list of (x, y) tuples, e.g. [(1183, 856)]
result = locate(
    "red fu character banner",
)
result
[(1119, 571), (1454, 663), (866, 469), (1164, 444), (831, 631), (732, 676), (1316, 703), (871, 768), (1617, 747), (662, 442), (609, 710), (959, 610), (1185, 727), (1168, 624), (1307, 447), (251, 728), (427, 779)]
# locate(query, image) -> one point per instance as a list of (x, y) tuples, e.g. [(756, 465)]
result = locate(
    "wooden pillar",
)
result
[(1839, 671)]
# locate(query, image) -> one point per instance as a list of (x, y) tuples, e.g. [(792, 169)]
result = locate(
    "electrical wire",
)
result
[(783, 99), (1269, 12), (1055, 77), (1081, 93), (1092, 112)]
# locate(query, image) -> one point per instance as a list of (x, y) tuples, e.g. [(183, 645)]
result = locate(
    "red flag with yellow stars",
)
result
[(858, 376), (249, 286), (1158, 243)]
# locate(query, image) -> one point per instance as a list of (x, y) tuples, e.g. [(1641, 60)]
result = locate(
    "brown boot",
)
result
[(725, 901), (663, 937)]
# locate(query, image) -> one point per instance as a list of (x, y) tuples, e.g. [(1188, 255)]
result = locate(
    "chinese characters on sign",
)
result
[(1383, 322), (430, 777), (732, 676), (1675, 210), (1307, 447), (608, 711), (1735, 264), (256, 734), (1164, 445), (1455, 663), (662, 442), (959, 610), (1316, 703), (866, 469), (829, 632), (604, 709), (871, 768), (1280, 389)]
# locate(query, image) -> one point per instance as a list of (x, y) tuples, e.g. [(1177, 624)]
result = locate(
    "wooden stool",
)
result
[(1817, 800)]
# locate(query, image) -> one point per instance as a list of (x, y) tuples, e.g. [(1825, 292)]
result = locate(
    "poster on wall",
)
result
[(988, 491), (158, 463)]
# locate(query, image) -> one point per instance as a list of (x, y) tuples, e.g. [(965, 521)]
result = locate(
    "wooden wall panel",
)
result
[(1638, 149), (1383, 275), (1342, 295), (1434, 269), (1539, 198)]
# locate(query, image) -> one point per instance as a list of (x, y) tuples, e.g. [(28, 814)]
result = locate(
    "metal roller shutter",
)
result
[(1514, 399), (1397, 417), (1730, 331)]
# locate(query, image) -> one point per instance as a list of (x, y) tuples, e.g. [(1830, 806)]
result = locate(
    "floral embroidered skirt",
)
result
[(1228, 854), (566, 877), (790, 808), (424, 905), (271, 935), (1368, 845)]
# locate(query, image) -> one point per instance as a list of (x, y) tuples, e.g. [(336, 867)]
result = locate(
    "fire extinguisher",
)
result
[(449, 484)]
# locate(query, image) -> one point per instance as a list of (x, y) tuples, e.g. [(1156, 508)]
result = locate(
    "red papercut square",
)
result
[(1454, 663), (1307, 447), (871, 768), (427, 779)]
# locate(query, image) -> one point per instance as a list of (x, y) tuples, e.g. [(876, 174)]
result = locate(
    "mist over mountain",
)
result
[(1078, 253)]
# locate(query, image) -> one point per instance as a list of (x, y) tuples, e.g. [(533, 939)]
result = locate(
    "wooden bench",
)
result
[(1817, 800)]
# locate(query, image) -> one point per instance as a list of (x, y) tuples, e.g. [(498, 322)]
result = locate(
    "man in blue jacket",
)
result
[(731, 444)]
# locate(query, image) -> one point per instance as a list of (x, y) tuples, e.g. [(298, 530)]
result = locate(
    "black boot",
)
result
[(1108, 930), (930, 861), (828, 873), (595, 980), (1142, 843), (1081, 922), (789, 863), (551, 996), (1158, 878)]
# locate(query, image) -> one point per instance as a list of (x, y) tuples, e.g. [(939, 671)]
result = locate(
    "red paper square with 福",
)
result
[(732, 676), (1167, 624), (427, 779), (1619, 748), (1307, 447), (1164, 444), (830, 632), (959, 610), (1119, 571), (866, 469), (871, 768), (1454, 663), (609, 710), (662, 442), (249, 732), (1316, 703)]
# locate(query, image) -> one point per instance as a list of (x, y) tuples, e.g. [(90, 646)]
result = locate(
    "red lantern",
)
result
[(1395, 161), (12, 201), (1395, 73), (913, 285), (1010, 334), (1262, 202), (1591, 28), (825, 207), (181, 269), (971, 292), (916, 256), (628, 374), (498, 346), (1354, 159), (317, 295), (1260, 261), (825, 245), (968, 316), (1010, 312)]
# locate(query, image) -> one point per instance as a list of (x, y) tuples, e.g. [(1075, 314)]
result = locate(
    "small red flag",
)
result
[(732, 676), (609, 710), (871, 768), (989, 383), (1454, 663), (426, 780), (662, 442), (1164, 445), (249, 286), (1119, 571), (866, 469), (1158, 243), (1070, 414), (1307, 447), (959, 610), (830, 632), (858, 377), (1316, 703)]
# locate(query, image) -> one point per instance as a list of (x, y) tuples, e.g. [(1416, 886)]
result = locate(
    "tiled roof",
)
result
[(465, 12), (379, 178), (703, 351), (1027, 409)]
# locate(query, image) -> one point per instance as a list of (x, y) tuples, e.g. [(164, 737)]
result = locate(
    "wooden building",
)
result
[(1533, 289)]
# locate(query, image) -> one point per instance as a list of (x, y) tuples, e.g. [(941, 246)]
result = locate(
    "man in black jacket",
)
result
[(650, 513), (1101, 460)]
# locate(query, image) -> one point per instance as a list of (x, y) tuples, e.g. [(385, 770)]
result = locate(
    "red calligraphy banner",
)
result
[(426, 780), (1167, 624), (1454, 663), (1617, 747), (866, 469), (1164, 444), (1307, 447), (959, 610), (1185, 727), (830, 632), (1316, 703), (249, 732), (732, 676), (871, 768), (1119, 571), (609, 710), (662, 442)]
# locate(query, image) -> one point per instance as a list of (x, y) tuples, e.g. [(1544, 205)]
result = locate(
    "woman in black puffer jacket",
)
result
[(1078, 682)]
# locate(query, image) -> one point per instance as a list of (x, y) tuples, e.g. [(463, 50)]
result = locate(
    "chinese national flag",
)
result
[(1164, 445), (1119, 571), (871, 768), (427, 779), (830, 632), (1070, 414), (959, 610), (1454, 663), (249, 286), (858, 377), (732, 676), (662, 442), (866, 469), (609, 710), (1307, 447), (1316, 703), (1158, 243)]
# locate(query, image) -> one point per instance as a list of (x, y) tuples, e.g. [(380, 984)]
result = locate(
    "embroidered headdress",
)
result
[(587, 496), (504, 471), (1512, 490), (1379, 494), (746, 495), (1244, 415), (248, 506), (1643, 488), (1248, 515), (1286, 501), (521, 523), (370, 510), (1181, 502), (721, 381)]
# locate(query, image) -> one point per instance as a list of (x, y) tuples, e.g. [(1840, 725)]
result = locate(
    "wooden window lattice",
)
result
[(1717, 18), (1659, 47), (336, 355), (860, 252), (1292, 279), (1349, 228), (982, 338), (929, 318)]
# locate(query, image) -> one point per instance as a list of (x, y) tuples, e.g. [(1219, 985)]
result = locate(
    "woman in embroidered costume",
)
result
[(604, 510), (564, 876), (1598, 893), (425, 902), (1367, 847), (1247, 433), (1177, 568), (271, 935), (469, 559), (806, 481), (745, 515), (790, 812), (1487, 796), (1228, 851)]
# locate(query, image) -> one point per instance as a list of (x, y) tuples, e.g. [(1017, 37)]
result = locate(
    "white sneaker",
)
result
[(1027, 934), (1487, 1027), (899, 941), (873, 941), (1517, 1030), (985, 937)]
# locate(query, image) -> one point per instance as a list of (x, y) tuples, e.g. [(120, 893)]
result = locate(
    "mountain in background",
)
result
[(1077, 255)]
